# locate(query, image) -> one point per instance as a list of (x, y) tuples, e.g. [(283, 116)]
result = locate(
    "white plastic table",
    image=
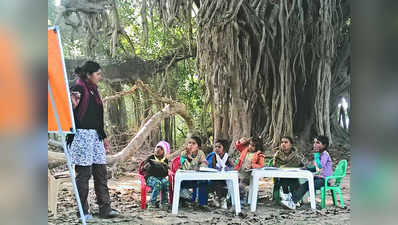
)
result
[(230, 176), (281, 173)]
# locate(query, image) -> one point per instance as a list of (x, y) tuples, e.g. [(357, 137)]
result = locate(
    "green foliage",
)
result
[(190, 88), (182, 82)]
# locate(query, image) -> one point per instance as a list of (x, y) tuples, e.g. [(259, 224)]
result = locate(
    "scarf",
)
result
[(292, 159), (221, 162), (88, 88)]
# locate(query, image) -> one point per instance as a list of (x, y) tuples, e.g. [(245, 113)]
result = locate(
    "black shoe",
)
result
[(112, 214)]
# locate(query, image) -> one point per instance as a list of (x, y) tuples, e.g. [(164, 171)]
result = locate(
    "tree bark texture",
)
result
[(269, 66)]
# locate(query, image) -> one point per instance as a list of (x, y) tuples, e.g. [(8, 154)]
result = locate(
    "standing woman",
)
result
[(89, 145)]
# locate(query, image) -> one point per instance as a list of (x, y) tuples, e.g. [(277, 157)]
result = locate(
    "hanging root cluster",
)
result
[(97, 19), (269, 65)]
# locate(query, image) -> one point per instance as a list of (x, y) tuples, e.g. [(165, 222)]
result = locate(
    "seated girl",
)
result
[(192, 158), (220, 160), (156, 169), (251, 157), (288, 156)]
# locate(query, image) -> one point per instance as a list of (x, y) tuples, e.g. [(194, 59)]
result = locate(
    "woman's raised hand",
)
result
[(75, 98)]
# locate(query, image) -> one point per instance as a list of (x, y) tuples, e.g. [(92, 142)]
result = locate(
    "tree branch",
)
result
[(120, 94), (134, 68)]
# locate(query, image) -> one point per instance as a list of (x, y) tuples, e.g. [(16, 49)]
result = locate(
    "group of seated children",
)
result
[(251, 156)]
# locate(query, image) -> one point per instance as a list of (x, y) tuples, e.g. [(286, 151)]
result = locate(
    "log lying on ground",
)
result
[(145, 131)]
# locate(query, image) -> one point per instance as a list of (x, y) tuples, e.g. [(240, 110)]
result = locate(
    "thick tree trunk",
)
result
[(224, 56), (241, 116), (270, 64)]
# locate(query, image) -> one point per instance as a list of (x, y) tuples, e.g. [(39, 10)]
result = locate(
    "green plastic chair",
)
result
[(338, 174)]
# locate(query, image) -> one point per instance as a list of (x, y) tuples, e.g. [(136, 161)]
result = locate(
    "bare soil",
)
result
[(125, 195)]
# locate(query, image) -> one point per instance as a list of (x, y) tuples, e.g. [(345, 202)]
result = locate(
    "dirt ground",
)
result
[(125, 195)]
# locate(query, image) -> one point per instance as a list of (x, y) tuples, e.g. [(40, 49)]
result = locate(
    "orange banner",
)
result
[(59, 86)]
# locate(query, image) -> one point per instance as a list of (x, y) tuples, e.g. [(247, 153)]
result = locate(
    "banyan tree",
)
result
[(270, 67)]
